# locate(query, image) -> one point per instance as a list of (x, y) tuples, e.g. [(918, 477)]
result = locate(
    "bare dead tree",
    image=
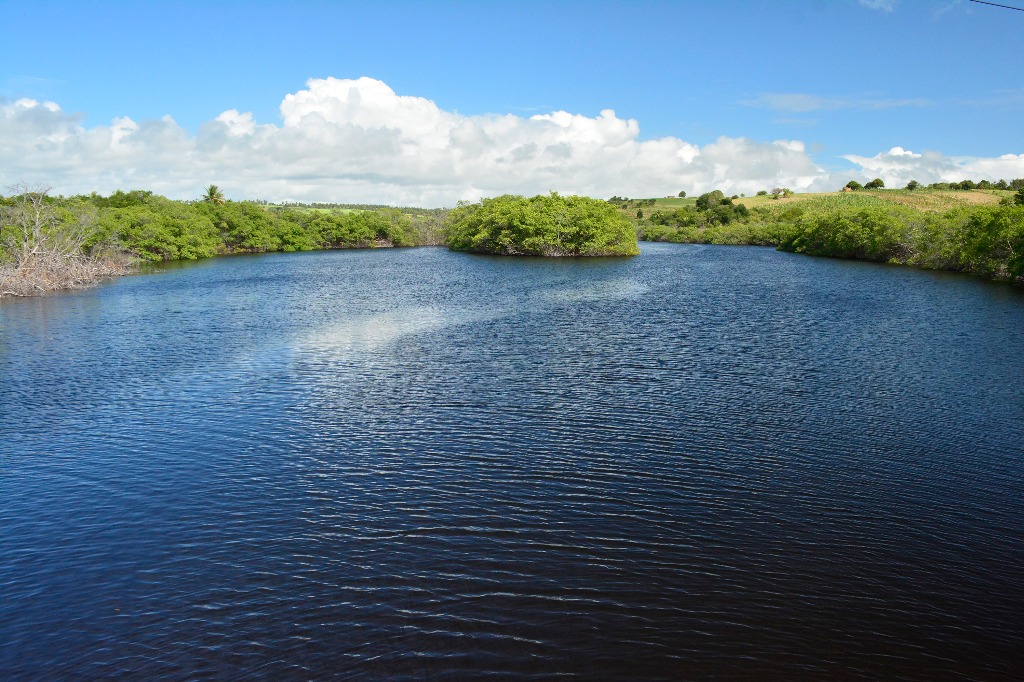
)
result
[(43, 245)]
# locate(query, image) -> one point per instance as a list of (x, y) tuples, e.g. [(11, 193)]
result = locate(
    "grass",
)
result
[(930, 200), (315, 209), (674, 202), (943, 200)]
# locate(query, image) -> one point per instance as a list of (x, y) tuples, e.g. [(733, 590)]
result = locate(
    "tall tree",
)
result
[(213, 195)]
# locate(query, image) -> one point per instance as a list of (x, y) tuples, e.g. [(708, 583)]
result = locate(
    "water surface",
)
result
[(703, 462)]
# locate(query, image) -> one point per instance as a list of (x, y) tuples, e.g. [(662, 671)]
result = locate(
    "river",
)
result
[(699, 463)]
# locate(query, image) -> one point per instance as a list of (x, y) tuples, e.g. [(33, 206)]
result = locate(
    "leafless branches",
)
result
[(43, 246)]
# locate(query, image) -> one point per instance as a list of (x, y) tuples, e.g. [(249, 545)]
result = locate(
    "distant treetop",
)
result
[(213, 195)]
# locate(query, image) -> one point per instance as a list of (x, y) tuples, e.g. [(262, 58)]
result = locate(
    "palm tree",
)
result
[(214, 195)]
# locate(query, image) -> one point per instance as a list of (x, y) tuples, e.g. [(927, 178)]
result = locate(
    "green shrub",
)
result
[(544, 225)]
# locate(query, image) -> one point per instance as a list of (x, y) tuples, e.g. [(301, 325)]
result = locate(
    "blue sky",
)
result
[(711, 87)]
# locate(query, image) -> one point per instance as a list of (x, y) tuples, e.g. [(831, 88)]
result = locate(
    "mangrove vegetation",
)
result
[(544, 225), (980, 232), (49, 243)]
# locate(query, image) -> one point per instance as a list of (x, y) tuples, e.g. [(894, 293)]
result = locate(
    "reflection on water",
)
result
[(371, 332), (698, 463)]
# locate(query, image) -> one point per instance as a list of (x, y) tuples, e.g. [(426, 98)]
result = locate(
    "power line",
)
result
[(982, 2)]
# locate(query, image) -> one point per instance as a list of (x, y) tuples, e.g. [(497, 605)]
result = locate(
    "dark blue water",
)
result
[(698, 463)]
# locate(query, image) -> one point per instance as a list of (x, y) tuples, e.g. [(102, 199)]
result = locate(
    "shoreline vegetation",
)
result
[(979, 231), (53, 243), (45, 247), (84, 239), (552, 226)]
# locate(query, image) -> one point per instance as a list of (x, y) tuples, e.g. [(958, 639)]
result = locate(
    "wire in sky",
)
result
[(982, 2)]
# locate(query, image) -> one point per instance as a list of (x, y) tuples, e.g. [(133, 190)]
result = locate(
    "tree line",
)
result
[(49, 243), (985, 240), (1015, 185)]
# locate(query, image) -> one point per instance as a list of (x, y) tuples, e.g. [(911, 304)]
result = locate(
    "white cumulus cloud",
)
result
[(356, 140), (899, 166)]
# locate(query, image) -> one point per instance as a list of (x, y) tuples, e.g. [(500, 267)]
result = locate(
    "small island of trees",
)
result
[(544, 225)]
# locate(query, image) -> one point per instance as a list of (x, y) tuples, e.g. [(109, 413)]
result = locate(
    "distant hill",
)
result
[(923, 199)]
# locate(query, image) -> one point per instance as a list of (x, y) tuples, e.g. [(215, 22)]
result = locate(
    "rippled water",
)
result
[(698, 463)]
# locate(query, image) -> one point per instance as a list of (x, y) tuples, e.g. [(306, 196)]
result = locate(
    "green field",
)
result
[(922, 199)]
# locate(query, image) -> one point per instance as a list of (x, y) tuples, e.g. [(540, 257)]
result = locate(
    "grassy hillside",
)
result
[(976, 231), (934, 200)]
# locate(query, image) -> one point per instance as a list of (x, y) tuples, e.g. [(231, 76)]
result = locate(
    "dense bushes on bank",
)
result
[(544, 225), (981, 240), (154, 228), (986, 241), (49, 243)]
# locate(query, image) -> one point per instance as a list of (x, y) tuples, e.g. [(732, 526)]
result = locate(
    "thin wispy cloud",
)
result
[(883, 5), (801, 103), (36, 85), (795, 121), (1002, 98), (944, 9)]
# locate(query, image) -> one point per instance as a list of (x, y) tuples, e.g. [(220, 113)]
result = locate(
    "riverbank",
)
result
[(50, 244), (46, 275), (981, 235)]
